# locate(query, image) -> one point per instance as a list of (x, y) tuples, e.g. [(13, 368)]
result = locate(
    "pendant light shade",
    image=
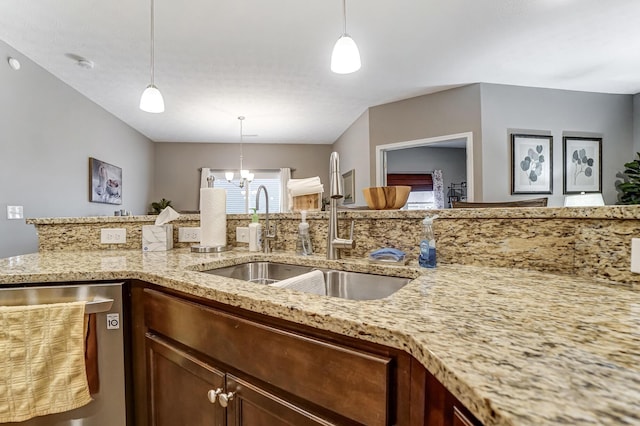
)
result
[(345, 58), (151, 99)]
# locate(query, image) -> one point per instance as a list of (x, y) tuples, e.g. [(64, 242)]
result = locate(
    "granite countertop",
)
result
[(516, 347)]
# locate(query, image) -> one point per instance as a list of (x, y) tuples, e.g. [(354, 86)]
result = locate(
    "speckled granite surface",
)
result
[(516, 347), (588, 242)]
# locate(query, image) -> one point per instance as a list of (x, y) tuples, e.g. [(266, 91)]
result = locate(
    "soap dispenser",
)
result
[(255, 233), (427, 258), (303, 246)]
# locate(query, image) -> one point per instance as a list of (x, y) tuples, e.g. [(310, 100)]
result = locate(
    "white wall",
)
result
[(49, 131), (353, 148), (560, 113), (452, 162)]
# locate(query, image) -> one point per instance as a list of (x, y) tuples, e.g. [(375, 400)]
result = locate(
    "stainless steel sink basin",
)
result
[(261, 272), (343, 284)]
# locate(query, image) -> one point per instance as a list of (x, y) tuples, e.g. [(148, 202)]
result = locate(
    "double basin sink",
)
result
[(343, 284)]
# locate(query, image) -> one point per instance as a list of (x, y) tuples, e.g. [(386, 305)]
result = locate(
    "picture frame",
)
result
[(531, 164), (105, 182), (582, 165), (349, 185)]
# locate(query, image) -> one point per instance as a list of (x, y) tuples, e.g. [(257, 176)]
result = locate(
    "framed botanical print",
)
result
[(582, 164), (531, 164)]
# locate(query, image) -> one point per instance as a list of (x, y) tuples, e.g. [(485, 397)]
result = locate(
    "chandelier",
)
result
[(245, 175)]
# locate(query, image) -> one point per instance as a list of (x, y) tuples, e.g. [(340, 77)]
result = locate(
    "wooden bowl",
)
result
[(386, 197)]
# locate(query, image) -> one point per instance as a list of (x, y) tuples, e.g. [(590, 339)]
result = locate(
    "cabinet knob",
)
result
[(225, 398), (213, 394)]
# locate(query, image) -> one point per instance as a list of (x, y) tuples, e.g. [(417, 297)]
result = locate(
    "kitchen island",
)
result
[(515, 347)]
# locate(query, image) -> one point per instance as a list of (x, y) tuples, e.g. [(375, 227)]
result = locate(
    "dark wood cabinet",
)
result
[(252, 405), (433, 405), (183, 389), (190, 353), (180, 386)]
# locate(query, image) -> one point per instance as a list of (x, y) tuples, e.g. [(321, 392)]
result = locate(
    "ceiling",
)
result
[(269, 60)]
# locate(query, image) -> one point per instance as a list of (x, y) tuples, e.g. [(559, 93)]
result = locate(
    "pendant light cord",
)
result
[(152, 42), (344, 16)]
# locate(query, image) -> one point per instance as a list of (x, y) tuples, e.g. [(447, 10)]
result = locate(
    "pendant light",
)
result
[(151, 100), (345, 58)]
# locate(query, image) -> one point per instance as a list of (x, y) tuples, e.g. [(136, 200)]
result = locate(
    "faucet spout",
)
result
[(268, 236), (334, 242), (335, 183)]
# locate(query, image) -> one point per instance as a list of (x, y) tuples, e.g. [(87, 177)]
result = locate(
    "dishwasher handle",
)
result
[(98, 306)]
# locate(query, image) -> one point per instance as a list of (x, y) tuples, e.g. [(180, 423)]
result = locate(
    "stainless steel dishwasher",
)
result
[(105, 300)]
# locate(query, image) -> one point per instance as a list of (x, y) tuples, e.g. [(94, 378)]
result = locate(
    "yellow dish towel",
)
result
[(42, 367)]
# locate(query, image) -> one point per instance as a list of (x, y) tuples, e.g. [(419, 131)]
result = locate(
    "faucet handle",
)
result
[(353, 222)]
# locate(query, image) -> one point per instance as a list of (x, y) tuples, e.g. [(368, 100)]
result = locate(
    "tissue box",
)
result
[(157, 237), (307, 202)]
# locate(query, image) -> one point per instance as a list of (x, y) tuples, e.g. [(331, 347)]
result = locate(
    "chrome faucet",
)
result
[(334, 242), (267, 235)]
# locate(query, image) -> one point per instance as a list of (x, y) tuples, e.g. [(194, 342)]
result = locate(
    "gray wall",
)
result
[(176, 165), (559, 113), (353, 147), (452, 162), (438, 114), (49, 131)]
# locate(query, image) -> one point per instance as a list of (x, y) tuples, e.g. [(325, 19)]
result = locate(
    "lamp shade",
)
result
[(151, 100), (228, 176), (345, 58)]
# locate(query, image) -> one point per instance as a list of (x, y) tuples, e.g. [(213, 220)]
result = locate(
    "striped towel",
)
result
[(42, 366)]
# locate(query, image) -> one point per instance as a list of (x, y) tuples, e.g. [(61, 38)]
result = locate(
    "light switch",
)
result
[(635, 255), (15, 212)]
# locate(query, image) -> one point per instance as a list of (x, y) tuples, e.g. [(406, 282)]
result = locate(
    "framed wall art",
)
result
[(582, 164), (531, 164), (105, 182), (349, 180)]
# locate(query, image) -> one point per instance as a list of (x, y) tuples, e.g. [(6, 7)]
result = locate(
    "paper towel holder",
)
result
[(209, 249)]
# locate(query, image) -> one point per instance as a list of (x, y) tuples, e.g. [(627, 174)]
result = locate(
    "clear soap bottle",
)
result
[(255, 233), (303, 245), (427, 258)]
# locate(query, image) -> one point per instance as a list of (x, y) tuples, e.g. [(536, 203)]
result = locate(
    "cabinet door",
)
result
[(253, 406), (180, 385)]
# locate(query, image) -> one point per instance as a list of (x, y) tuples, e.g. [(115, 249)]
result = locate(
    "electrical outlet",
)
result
[(635, 255), (189, 234), (113, 236), (242, 234)]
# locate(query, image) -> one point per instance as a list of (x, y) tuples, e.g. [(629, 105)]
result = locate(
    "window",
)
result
[(237, 199), (421, 195)]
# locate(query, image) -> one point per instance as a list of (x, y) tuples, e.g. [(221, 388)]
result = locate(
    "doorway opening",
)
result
[(459, 140)]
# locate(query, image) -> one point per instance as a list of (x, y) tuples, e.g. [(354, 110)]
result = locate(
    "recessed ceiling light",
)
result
[(14, 63)]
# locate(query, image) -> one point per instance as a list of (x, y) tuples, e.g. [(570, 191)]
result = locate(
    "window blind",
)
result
[(237, 197)]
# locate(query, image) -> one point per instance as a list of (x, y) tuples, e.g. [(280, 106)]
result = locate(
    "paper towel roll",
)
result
[(213, 217)]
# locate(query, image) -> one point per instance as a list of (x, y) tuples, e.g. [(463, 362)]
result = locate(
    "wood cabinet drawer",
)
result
[(349, 382)]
